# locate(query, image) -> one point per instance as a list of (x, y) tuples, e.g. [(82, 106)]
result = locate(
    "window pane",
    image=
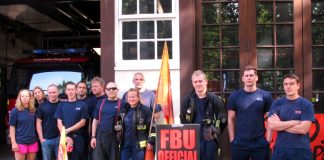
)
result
[(284, 34), (231, 80), (146, 29), (284, 12), (214, 83), (161, 46), (265, 58), (164, 29), (318, 33), (147, 50), (317, 11), (129, 30), (210, 13), (129, 50), (318, 57), (318, 80), (264, 35), (230, 13), (129, 7), (210, 36), (231, 58), (230, 36), (285, 57), (211, 59), (279, 79), (146, 6), (166, 6), (266, 80), (264, 12)]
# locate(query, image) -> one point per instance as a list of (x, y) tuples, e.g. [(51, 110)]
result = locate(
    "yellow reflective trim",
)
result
[(141, 128), (153, 135), (142, 144)]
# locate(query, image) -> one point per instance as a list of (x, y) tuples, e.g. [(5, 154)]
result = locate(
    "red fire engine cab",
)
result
[(43, 67)]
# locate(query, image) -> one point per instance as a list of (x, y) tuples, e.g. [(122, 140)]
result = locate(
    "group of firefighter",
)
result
[(105, 127)]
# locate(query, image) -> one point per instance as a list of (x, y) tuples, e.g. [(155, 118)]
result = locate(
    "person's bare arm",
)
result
[(12, 133), (276, 124), (76, 126), (231, 116), (269, 131), (93, 141), (39, 129), (59, 124), (302, 128)]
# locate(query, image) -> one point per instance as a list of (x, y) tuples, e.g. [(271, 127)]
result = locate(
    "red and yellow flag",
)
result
[(62, 153), (163, 95), (163, 92)]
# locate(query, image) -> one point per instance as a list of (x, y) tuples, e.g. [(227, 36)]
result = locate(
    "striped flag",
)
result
[(62, 153), (163, 92)]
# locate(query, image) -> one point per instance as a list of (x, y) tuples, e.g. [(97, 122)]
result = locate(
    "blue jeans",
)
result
[(250, 149), (49, 148)]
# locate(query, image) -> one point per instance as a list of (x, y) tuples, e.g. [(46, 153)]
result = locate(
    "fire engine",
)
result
[(43, 67)]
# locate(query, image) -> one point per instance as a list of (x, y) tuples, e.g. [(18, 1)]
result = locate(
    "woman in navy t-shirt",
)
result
[(22, 127)]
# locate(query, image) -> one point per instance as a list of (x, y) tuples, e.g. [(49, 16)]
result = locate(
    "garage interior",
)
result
[(42, 24)]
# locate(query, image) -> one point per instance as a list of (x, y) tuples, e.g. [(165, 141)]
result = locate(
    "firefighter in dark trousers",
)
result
[(104, 137), (136, 124), (207, 109), (72, 114)]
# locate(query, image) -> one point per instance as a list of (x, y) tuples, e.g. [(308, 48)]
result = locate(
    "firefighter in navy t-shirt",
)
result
[(105, 116), (46, 124), (72, 114), (292, 117), (247, 108)]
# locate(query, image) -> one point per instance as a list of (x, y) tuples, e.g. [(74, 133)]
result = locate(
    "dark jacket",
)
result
[(141, 131), (214, 110)]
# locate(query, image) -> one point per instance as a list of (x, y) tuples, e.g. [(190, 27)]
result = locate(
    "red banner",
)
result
[(317, 137), (177, 142)]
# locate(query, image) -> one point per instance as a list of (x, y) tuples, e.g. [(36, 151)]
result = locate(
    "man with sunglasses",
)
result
[(104, 134)]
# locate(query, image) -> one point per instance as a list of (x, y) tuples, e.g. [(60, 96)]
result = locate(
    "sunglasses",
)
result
[(111, 89)]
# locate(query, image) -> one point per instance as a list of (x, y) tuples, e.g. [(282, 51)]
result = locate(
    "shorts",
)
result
[(28, 148)]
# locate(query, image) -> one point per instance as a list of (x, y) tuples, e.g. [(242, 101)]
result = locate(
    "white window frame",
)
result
[(121, 64)]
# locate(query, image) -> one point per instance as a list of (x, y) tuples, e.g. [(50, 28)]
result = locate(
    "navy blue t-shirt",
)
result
[(250, 108), (71, 113), (93, 103), (87, 101), (108, 114), (298, 109), (200, 114), (128, 126), (46, 112), (24, 122), (200, 104)]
